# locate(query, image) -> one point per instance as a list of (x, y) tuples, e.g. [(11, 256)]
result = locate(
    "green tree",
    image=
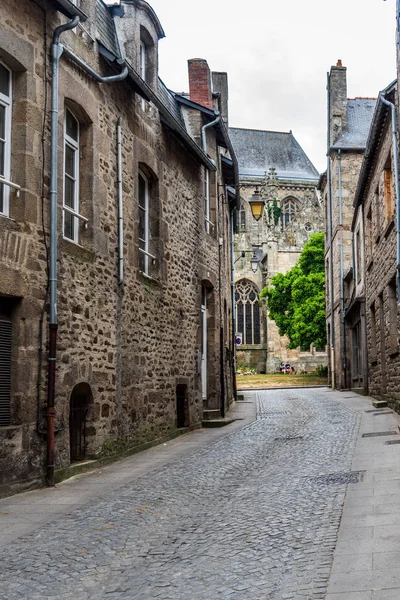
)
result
[(296, 299)]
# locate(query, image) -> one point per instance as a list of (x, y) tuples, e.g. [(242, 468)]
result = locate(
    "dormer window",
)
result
[(142, 61)]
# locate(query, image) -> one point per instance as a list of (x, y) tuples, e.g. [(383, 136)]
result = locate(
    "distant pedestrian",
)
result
[(287, 368), (282, 367)]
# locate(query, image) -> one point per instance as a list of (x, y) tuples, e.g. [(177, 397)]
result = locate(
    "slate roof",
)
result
[(168, 99), (258, 150), (105, 27), (359, 116)]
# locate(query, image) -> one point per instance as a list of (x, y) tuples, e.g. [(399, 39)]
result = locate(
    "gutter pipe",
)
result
[(397, 189), (330, 234), (203, 132), (120, 208), (342, 309), (57, 50), (233, 306)]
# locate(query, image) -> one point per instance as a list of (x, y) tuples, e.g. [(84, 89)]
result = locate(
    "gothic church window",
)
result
[(289, 209), (5, 136), (247, 312)]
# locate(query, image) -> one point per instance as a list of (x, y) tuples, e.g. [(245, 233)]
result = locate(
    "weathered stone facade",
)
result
[(126, 352), (349, 123), (277, 241), (376, 203)]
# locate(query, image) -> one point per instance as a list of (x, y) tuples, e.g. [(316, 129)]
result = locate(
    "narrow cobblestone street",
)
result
[(253, 515)]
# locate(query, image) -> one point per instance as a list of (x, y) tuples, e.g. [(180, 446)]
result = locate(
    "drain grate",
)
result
[(338, 478), (379, 434), (374, 410), (289, 439), (390, 442)]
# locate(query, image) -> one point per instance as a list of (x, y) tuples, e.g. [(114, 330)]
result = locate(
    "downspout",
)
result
[(343, 325), (120, 208), (233, 315), (397, 189), (203, 132), (331, 295), (56, 51)]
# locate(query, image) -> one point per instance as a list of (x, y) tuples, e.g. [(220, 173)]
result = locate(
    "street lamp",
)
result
[(254, 261), (257, 204)]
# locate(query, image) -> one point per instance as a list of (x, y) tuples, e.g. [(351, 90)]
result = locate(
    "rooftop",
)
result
[(359, 116), (258, 150)]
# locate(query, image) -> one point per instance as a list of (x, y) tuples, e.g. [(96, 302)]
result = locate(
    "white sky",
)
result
[(277, 54)]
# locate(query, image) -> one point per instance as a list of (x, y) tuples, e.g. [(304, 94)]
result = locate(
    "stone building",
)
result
[(376, 258), (276, 240), (349, 123), (134, 188)]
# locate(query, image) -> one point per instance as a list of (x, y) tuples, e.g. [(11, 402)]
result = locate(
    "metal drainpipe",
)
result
[(57, 50), (203, 132), (330, 233), (397, 189), (233, 306), (120, 208), (341, 265)]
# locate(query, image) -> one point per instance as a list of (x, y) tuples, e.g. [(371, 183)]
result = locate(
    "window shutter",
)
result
[(5, 372)]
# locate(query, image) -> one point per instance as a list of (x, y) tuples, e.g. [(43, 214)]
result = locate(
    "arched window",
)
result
[(242, 218), (247, 312), (289, 209), (5, 135)]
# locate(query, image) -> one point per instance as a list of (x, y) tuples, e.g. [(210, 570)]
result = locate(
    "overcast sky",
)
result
[(277, 54)]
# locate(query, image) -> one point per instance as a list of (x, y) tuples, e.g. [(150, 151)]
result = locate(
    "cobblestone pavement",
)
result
[(253, 516)]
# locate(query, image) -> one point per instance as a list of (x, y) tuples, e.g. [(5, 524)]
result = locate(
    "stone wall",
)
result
[(131, 343)]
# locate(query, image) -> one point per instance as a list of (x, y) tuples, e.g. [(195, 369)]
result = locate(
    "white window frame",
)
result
[(146, 239), (142, 68), (6, 101), (74, 211)]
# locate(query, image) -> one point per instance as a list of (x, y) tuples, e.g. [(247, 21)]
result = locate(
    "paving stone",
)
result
[(246, 517)]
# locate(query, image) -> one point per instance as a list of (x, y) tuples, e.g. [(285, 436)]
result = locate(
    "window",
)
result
[(5, 136), (388, 189), (144, 229), (247, 312), (142, 61), (288, 212), (242, 218), (392, 297), (358, 256), (370, 235), (71, 177)]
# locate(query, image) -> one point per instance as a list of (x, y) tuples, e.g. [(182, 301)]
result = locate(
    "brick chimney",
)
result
[(338, 102), (200, 87)]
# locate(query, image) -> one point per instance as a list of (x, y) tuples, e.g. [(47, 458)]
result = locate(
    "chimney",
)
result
[(337, 102), (200, 82), (220, 85)]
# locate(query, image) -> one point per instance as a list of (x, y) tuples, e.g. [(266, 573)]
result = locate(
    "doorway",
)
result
[(81, 398)]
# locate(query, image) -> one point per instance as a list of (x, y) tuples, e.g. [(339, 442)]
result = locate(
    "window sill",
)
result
[(393, 351), (388, 228), (77, 250), (148, 279)]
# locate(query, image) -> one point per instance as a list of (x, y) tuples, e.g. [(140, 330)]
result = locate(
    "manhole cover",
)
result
[(338, 478), (379, 434)]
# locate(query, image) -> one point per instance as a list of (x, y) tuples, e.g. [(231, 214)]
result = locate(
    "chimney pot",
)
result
[(200, 82), (339, 63)]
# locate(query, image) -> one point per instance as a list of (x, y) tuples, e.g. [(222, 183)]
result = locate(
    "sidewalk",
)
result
[(30, 511), (367, 554)]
